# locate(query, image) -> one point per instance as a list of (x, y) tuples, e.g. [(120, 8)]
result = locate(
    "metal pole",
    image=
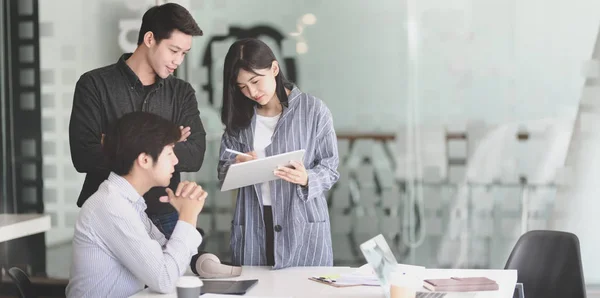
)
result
[(524, 204)]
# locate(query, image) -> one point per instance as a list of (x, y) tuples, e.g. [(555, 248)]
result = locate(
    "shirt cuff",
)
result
[(187, 234), (304, 191)]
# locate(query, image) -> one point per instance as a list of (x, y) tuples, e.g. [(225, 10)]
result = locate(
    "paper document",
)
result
[(365, 275)]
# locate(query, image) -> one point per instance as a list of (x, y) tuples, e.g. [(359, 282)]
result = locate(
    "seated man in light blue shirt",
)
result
[(116, 248)]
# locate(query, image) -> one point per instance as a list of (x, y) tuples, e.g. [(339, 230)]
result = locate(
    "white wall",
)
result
[(576, 203)]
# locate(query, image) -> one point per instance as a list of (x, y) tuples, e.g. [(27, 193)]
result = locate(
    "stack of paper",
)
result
[(358, 279), (365, 275)]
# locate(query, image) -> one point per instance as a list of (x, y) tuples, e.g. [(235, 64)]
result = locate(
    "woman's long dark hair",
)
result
[(247, 54)]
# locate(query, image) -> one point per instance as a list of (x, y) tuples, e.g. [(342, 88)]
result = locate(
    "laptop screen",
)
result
[(379, 255)]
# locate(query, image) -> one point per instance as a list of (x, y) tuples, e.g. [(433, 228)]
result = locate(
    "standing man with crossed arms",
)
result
[(141, 81)]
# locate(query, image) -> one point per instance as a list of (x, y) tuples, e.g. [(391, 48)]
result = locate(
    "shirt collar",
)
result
[(125, 188), (132, 78), (292, 101), (293, 94)]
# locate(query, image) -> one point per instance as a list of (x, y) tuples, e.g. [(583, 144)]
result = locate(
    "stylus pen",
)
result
[(238, 153)]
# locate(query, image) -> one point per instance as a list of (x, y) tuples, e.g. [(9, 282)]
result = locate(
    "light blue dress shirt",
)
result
[(117, 249)]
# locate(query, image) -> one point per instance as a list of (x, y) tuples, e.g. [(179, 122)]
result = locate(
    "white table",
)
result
[(293, 282), (14, 226)]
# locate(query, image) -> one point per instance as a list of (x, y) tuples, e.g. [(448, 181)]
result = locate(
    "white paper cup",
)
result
[(189, 287), (403, 286)]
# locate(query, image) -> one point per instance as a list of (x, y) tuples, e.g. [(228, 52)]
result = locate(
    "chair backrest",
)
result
[(22, 282), (548, 263)]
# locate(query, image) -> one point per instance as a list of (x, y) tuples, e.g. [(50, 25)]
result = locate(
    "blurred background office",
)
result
[(461, 124)]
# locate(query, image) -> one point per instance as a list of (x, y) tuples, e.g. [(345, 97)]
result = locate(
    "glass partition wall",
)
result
[(453, 117)]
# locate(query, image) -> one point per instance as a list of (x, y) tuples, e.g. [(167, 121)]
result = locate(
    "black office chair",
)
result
[(548, 263), (21, 280)]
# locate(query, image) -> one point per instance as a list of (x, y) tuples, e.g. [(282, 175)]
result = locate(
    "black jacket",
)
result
[(104, 95)]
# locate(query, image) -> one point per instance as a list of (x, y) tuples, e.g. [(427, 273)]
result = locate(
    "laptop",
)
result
[(230, 287), (378, 254)]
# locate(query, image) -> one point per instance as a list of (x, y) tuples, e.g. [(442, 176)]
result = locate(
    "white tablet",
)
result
[(258, 170)]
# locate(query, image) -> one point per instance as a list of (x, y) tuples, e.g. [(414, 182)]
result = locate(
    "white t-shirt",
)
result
[(263, 131)]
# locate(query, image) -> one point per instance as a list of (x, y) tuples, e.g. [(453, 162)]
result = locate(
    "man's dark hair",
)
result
[(136, 133), (161, 20)]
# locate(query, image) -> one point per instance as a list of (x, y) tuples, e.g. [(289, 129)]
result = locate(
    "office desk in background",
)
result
[(294, 282), (22, 242), (13, 226)]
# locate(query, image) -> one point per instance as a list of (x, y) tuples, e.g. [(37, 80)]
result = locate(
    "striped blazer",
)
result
[(300, 214)]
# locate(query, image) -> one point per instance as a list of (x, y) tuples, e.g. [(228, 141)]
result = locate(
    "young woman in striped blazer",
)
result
[(285, 222)]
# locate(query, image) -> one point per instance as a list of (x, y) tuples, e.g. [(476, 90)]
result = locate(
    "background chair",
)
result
[(548, 264), (22, 282)]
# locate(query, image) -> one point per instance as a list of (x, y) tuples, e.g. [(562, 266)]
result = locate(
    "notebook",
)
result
[(230, 287), (461, 284)]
